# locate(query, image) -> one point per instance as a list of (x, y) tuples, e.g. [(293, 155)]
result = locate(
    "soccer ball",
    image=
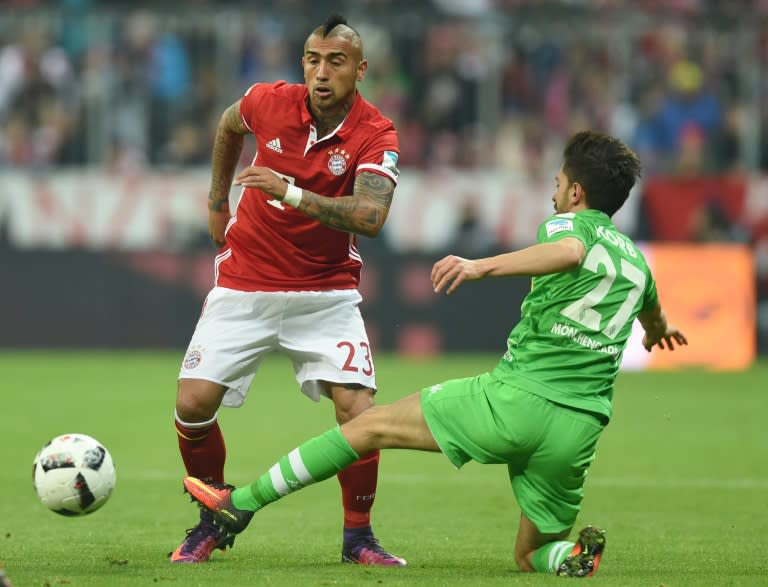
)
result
[(73, 475)]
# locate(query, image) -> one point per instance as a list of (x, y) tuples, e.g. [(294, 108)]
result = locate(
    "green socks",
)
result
[(316, 460), (322, 457), (550, 556)]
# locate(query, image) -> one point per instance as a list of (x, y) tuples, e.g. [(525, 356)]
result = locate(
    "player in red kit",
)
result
[(287, 272)]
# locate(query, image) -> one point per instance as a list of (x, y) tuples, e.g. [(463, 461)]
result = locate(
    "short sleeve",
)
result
[(651, 296), (250, 103), (560, 226), (380, 155)]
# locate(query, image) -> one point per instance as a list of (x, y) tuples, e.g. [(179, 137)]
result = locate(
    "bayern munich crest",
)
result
[(337, 161), (192, 359)]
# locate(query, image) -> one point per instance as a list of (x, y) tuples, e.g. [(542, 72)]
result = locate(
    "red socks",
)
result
[(358, 490), (202, 449), (204, 452)]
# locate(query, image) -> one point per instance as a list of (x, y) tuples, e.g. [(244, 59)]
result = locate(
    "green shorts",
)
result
[(547, 447)]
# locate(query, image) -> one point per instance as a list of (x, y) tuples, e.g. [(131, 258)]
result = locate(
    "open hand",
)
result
[(451, 271), (264, 179), (665, 339)]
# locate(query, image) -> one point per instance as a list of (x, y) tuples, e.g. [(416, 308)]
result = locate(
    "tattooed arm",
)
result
[(227, 147), (364, 212)]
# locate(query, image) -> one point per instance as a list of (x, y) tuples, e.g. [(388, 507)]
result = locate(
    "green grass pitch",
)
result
[(680, 482)]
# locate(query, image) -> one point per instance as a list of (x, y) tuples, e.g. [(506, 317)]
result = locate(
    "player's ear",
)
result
[(361, 69), (579, 195)]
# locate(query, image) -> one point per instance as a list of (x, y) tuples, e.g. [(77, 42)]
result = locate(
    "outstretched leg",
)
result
[(399, 425)]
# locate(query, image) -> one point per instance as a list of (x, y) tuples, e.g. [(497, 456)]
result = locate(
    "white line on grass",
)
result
[(594, 481), (471, 477)]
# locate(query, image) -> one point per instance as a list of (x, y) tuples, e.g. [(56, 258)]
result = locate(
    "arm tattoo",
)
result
[(364, 212), (216, 205), (227, 147)]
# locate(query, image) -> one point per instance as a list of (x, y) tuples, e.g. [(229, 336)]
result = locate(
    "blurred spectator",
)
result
[(38, 103), (712, 224), (485, 85), (726, 144), (169, 76), (688, 117), (446, 94), (123, 83), (473, 237), (265, 55), (185, 146)]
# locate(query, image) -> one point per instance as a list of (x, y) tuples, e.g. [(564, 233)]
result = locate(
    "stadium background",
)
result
[(107, 109), (107, 112)]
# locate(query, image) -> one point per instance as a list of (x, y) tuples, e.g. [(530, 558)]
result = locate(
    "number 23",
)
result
[(351, 351)]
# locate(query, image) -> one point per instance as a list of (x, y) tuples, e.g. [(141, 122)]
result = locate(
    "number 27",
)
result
[(582, 311)]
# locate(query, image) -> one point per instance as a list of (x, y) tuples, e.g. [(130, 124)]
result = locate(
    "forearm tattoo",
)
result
[(227, 147), (364, 212)]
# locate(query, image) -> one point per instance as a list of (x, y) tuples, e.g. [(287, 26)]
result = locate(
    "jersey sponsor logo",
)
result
[(275, 145), (435, 388), (558, 225), (337, 160), (390, 162), (582, 339)]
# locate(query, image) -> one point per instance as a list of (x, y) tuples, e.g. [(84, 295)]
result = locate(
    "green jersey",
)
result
[(574, 325)]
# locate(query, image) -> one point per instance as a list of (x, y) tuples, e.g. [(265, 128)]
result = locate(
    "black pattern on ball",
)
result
[(59, 460), (94, 457), (83, 491)]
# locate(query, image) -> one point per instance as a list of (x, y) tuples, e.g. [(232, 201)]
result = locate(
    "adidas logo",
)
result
[(274, 144)]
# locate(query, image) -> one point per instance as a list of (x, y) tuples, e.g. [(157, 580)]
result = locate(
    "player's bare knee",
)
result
[(351, 405), (193, 411), (195, 403)]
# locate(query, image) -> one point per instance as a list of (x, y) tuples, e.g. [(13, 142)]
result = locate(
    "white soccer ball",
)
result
[(73, 475)]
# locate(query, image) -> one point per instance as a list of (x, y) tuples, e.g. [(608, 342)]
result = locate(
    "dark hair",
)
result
[(328, 29), (604, 166), (332, 22)]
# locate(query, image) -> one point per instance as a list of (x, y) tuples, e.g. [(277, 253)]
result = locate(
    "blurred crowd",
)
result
[(478, 84), (125, 85)]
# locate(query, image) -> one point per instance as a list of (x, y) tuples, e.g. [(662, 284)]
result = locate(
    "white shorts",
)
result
[(322, 332)]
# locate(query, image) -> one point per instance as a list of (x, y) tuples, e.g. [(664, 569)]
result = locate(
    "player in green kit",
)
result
[(544, 406)]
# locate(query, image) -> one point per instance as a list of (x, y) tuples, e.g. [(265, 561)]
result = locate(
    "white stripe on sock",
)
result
[(556, 553), (278, 481), (195, 425), (297, 464)]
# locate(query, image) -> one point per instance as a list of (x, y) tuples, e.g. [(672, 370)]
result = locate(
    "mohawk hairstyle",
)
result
[(333, 21)]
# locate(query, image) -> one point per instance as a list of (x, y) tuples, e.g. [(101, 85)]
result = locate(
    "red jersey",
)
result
[(271, 246)]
